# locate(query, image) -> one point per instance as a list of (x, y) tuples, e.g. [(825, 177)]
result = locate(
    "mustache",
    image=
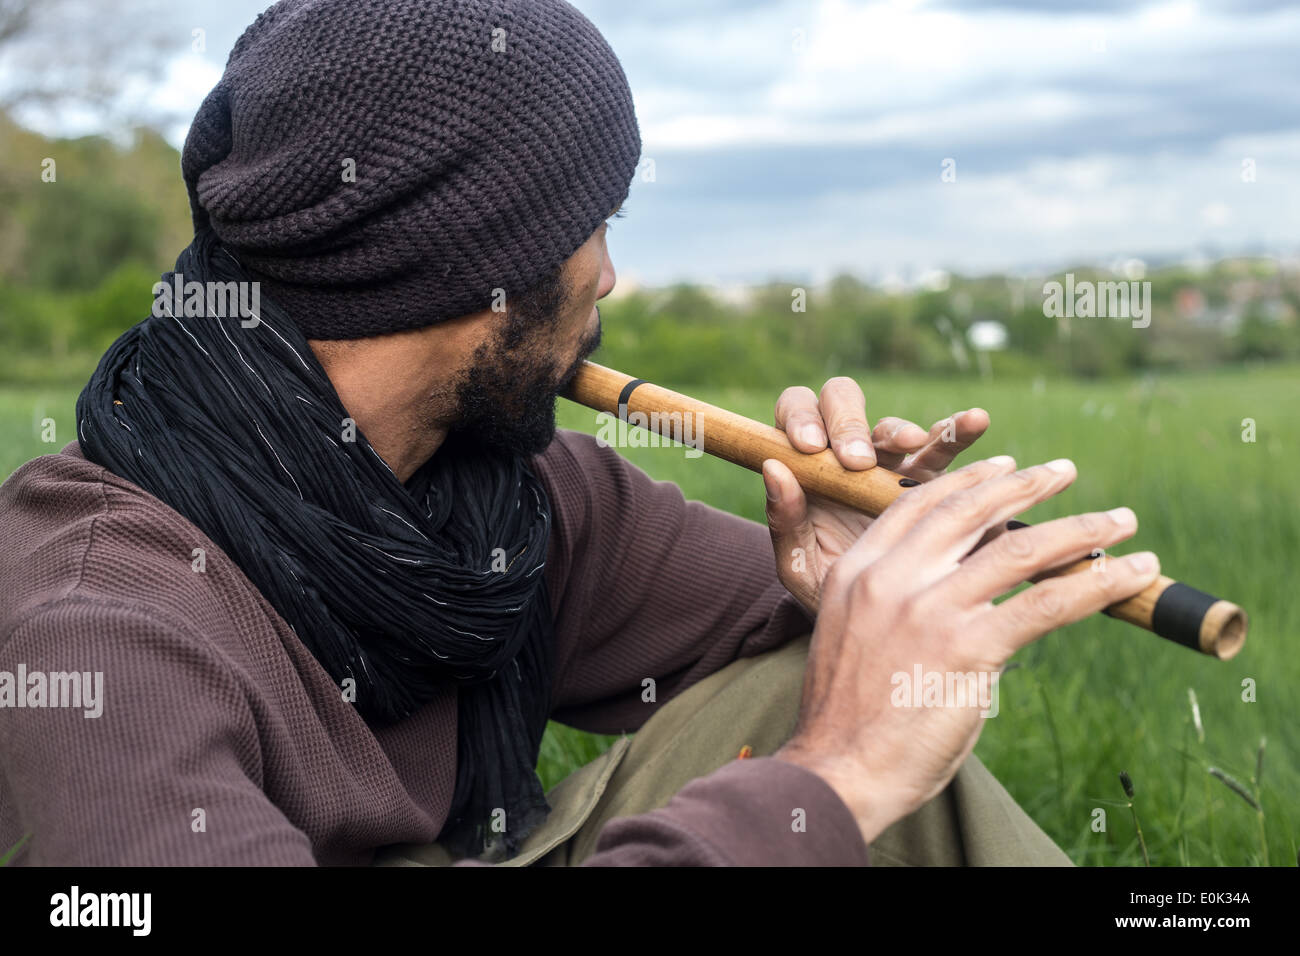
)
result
[(585, 348)]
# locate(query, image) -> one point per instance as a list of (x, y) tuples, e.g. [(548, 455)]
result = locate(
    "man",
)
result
[(329, 568)]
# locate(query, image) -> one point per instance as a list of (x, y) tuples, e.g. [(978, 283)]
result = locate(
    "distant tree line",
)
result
[(87, 227)]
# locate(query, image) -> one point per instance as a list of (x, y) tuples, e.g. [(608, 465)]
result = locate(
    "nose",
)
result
[(607, 277)]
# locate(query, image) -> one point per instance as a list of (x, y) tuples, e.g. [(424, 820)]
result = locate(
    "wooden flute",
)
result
[(1172, 610)]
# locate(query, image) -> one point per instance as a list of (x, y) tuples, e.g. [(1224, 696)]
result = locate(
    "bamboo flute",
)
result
[(1172, 610)]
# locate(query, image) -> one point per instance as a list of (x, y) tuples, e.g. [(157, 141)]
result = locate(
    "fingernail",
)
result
[(859, 449), (812, 435), (1002, 460), (773, 493), (1144, 562), (1061, 465), (1122, 516)]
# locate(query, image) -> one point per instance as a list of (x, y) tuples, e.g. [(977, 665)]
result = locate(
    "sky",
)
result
[(797, 140)]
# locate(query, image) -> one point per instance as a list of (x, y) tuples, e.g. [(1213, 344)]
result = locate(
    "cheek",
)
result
[(581, 322), (582, 306)]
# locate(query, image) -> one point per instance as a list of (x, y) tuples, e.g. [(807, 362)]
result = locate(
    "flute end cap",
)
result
[(1223, 631)]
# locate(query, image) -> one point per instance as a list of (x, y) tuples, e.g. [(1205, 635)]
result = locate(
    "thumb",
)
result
[(793, 536)]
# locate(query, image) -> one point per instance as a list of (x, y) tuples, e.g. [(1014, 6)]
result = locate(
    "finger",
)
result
[(800, 416), (1066, 599), (787, 515), (1019, 555), (844, 409), (949, 437), (938, 542), (894, 439), (995, 532), (912, 506)]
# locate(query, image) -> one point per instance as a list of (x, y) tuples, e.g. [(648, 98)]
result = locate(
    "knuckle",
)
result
[(925, 613), (863, 587), (1045, 602), (964, 505), (838, 579), (973, 473), (933, 494), (1110, 585), (867, 591), (906, 508), (848, 426), (1026, 480), (1087, 526), (1105, 587), (1018, 545), (793, 398), (955, 505), (887, 426)]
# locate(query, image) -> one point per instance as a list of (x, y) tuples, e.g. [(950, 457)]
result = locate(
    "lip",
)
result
[(583, 352)]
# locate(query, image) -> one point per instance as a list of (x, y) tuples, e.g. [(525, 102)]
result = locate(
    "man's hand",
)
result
[(910, 595), (809, 533)]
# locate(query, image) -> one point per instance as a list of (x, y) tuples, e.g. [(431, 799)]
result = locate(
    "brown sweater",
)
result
[(210, 701)]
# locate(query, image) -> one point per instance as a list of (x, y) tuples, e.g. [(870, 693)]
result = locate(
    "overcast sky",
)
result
[(797, 139)]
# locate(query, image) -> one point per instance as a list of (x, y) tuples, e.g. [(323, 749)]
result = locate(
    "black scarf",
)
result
[(401, 589)]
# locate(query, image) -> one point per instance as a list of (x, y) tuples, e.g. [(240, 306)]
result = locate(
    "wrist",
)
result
[(873, 815)]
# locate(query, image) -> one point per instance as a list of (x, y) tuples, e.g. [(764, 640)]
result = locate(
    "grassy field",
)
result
[(1100, 697)]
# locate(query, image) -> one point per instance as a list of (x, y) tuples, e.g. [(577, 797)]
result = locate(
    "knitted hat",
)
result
[(381, 165)]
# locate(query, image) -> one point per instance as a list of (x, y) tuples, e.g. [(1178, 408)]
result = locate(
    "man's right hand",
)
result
[(909, 592)]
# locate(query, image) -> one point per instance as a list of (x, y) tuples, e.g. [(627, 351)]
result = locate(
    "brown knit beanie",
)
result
[(381, 165)]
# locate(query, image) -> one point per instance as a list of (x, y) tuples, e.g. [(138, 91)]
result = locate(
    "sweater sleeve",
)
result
[(650, 586), (756, 812), (161, 767)]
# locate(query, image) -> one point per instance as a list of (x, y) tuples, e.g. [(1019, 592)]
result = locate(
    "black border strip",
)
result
[(624, 395), (1178, 614)]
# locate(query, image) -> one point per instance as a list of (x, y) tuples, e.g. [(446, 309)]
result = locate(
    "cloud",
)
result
[(882, 73), (806, 136), (805, 216)]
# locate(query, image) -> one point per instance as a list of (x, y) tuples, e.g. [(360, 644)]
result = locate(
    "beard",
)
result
[(507, 401)]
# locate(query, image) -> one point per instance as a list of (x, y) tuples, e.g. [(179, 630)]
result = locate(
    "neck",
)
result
[(403, 442), (401, 409)]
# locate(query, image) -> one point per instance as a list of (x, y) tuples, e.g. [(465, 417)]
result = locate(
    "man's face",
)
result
[(507, 399)]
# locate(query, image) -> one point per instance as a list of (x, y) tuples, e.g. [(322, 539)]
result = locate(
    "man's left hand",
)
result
[(809, 533)]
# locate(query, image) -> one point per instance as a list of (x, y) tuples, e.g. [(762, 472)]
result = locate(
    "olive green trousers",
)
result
[(754, 702)]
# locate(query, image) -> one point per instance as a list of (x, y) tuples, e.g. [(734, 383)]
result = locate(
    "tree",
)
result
[(84, 55)]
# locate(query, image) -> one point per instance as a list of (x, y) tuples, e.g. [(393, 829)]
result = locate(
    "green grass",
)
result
[(22, 411), (1099, 697)]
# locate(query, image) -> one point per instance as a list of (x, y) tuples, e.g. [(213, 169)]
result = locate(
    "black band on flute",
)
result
[(1178, 614), (624, 395)]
